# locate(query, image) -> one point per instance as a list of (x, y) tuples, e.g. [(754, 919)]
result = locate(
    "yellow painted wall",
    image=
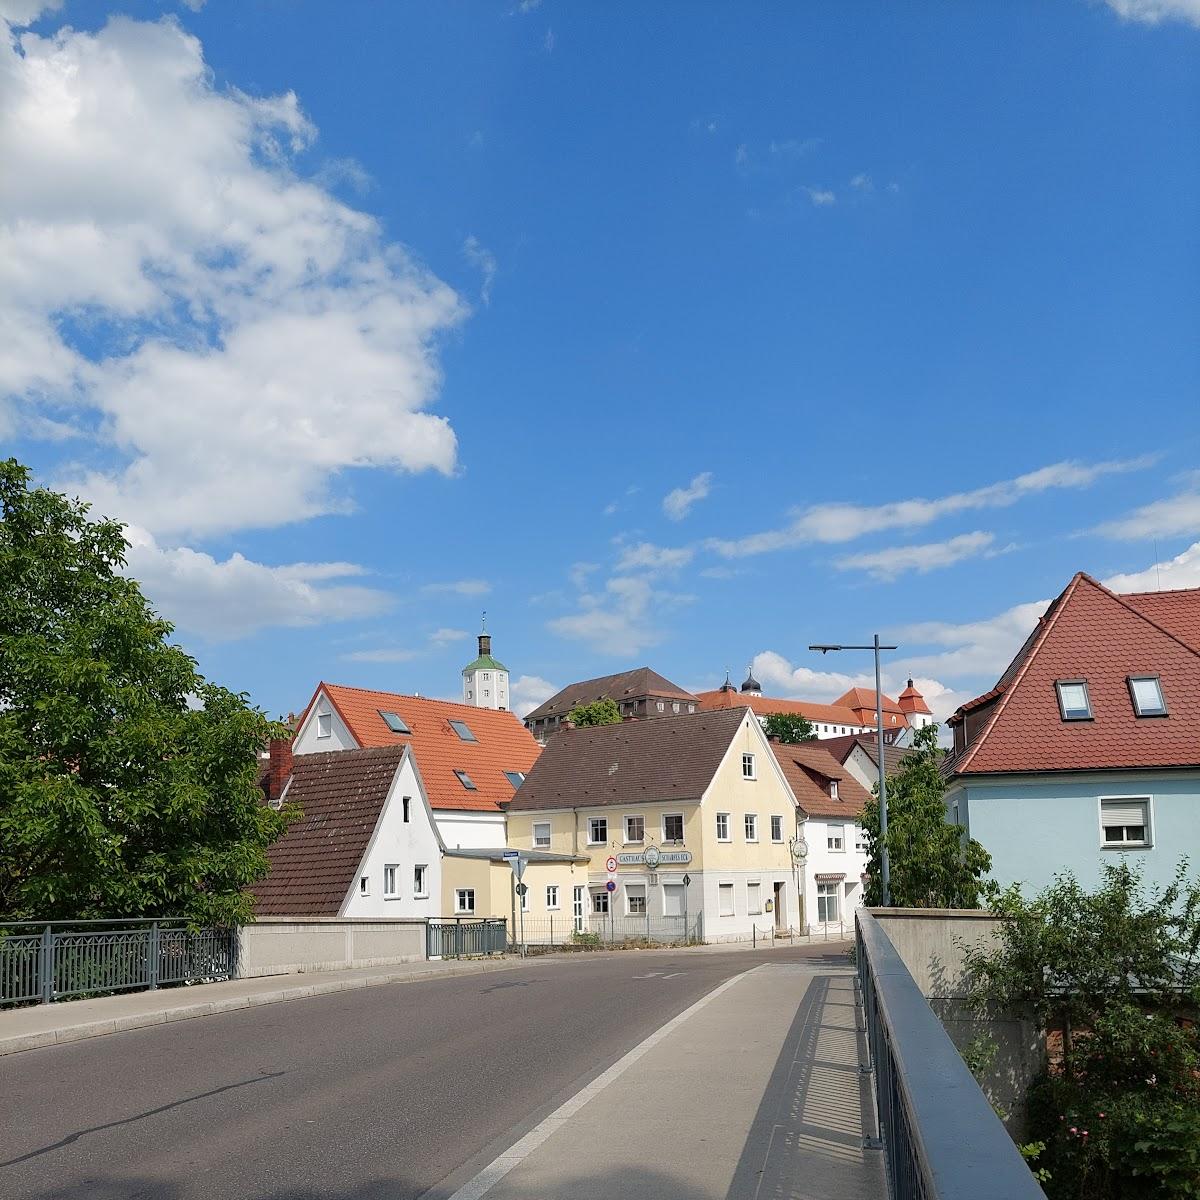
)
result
[(492, 882)]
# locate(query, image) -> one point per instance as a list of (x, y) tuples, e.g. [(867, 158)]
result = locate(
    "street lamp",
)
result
[(885, 870)]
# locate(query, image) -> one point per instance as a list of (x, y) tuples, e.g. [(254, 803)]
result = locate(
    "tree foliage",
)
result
[(789, 728), (600, 712), (1114, 975), (931, 866), (127, 781)]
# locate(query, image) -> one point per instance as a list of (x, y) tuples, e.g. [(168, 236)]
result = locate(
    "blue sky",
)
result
[(637, 326)]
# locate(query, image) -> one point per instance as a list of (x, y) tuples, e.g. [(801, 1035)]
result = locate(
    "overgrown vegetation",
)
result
[(789, 728), (600, 712), (127, 781)]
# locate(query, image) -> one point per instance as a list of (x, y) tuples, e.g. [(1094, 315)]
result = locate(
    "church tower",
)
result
[(485, 681)]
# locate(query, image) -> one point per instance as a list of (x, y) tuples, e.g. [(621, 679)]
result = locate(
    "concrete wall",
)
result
[(932, 944), (285, 945)]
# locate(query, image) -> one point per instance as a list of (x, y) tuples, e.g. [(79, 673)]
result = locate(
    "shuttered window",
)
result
[(1125, 821)]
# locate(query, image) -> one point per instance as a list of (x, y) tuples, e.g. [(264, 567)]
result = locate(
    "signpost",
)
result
[(687, 883), (518, 862)]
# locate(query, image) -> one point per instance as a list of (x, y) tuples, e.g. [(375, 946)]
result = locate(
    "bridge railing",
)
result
[(941, 1138), (465, 937)]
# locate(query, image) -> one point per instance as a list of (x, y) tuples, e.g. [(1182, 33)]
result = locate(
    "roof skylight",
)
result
[(394, 722), (516, 778), (1074, 703), (463, 730), (1147, 694), (466, 781)]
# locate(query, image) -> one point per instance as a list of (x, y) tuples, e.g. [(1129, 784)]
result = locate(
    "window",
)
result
[(516, 778), (635, 829), (1146, 692), (598, 832), (486, 694), (420, 887), (672, 827), (1074, 704), (833, 789), (464, 730), (487, 675), (835, 837), (466, 781), (722, 827), (364, 885), (860, 838), (827, 902), (777, 829), (389, 880), (600, 903), (464, 900), (552, 895), (541, 835), (752, 827), (748, 767), (394, 722), (1125, 822), (675, 706), (577, 908), (635, 900), (691, 708), (725, 895), (406, 805), (754, 898), (324, 725)]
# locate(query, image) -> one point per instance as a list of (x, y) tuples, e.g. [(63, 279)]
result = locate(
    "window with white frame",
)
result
[(748, 771), (464, 900), (552, 895), (752, 827), (600, 903), (1125, 821), (635, 829), (723, 827), (635, 899), (827, 902), (860, 837), (833, 795), (754, 898), (835, 837), (1147, 695), (541, 835), (675, 706), (597, 831), (1074, 703), (672, 825), (390, 872), (364, 885), (662, 705), (421, 881), (777, 828), (725, 899), (324, 724)]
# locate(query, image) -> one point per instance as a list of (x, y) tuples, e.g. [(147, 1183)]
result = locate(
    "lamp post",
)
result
[(884, 865)]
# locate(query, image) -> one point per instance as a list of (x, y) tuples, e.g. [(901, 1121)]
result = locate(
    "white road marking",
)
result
[(649, 975), (673, 974), (520, 1151)]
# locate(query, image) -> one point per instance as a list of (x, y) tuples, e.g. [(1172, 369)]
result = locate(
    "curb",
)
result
[(186, 1012)]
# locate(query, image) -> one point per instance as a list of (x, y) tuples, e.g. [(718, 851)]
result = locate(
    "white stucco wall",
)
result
[(496, 686), (306, 740), (470, 830), (821, 860)]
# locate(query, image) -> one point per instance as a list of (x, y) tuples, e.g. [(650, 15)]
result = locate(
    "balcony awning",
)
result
[(830, 876)]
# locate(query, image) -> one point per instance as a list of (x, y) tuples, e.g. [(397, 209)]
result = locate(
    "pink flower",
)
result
[(1102, 1116), (1073, 1129)]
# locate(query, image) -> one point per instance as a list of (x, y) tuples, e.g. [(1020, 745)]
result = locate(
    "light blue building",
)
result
[(1087, 750)]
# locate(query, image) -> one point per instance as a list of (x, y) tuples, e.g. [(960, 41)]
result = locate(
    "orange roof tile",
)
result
[(765, 705), (503, 743), (859, 698)]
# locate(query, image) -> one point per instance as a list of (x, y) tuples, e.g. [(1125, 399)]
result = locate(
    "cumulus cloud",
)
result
[(229, 334), (678, 502), (1182, 571), (1153, 12), (528, 691), (895, 561), (654, 558), (20, 13), (621, 618), (1163, 518)]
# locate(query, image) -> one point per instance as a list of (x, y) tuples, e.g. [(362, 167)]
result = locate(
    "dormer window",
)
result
[(1147, 695), (324, 724), (465, 780), (1074, 704), (463, 729), (833, 795), (394, 722)]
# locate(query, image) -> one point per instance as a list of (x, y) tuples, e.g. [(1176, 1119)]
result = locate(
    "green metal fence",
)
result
[(465, 937)]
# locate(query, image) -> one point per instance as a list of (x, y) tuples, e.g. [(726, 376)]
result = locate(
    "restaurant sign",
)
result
[(653, 857)]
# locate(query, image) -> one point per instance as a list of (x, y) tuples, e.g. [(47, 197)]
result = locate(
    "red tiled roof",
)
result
[(828, 714), (1091, 633), (809, 768), (859, 698), (912, 701), (1177, 612), (503, 743)]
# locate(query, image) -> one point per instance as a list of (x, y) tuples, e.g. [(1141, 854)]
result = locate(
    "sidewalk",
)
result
[(71, 1020), (753, 1092)]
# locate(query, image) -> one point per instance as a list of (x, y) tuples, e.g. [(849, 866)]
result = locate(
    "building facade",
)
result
[(485, 680)]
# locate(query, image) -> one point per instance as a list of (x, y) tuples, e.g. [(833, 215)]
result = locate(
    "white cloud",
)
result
[(793, 147), (480, 257), (382, 654), (862, 183), (528, 691), (780, 678), (20, 13), (459, 587), (1164, 518), (238, 597), (896, 560), (251, 327), (1152, 12), (580, 573), (527, 6), (444, 636), (620, 619), (654, 558), (820, 197), (1182, 571), (678, 502), (840, 522)]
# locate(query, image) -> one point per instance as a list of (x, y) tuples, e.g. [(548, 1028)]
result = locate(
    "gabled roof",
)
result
[(809, 768), (842, 747), (1092, 633), (828, 714), (859, 698), (340, 794), (636, 762), (502, 742), (641, 681)]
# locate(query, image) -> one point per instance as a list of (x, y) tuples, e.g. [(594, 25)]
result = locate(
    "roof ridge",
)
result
[(1124, 603), (349, 687)]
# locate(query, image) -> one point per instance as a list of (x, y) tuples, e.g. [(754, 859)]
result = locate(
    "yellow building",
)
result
[(687, 825)]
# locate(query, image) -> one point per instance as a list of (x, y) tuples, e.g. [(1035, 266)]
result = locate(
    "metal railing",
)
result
[(609, 929), (465, 937), (44, 961), (941, 1138)]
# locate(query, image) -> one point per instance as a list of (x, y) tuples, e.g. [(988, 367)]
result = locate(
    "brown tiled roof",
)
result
[(340, 795), (641, 681), (1178, 612), (809, 768), (636, 762), (828, 714), (842, 747), (1091, 633), (503, 743)]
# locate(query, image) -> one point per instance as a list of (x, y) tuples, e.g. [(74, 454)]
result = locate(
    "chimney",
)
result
[(567, 723), (280, 770)]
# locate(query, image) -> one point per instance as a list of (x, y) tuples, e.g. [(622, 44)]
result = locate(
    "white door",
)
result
[(577, 908)]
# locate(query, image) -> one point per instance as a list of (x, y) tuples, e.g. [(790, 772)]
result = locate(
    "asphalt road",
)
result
[(383, 1092)]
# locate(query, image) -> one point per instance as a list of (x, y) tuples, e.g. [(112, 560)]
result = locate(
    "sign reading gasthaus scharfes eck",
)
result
[(664, 858)]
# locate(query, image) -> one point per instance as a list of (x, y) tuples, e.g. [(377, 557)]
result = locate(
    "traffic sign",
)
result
[(522, 888), (687, 881), (611, 885), (507, 854), (610, 865)]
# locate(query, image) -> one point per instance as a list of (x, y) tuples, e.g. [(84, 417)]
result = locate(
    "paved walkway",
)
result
[(753, 1092)]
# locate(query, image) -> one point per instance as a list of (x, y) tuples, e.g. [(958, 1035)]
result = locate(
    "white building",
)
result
[(485, 681)]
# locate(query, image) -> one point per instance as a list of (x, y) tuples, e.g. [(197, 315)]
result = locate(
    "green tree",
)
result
[(600, 712), (931, 866), (1107, 973), (789, 728), (127, 781)]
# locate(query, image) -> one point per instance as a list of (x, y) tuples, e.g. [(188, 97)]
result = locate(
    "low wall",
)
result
[(288, 945), (932, 942)]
